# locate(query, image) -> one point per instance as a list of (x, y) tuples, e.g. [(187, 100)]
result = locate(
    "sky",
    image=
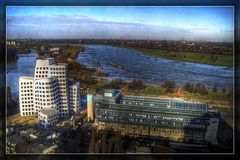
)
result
[(116, 22)]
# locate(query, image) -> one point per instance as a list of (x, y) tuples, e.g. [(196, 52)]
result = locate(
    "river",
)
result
[(24, 66), (135, 64), (153, 70)]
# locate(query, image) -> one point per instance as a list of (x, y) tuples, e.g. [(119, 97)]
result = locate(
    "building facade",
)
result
[(26, 99), (46, 93), (74, 98), (169, 118), (90, 110), (47, 117)]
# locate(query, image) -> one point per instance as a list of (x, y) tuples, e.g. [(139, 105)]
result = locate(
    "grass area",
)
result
[(70, 53), (73, 51), (155, 90), (221, 60), (24, 120), (215, 99), (219, 100), (100, 84)]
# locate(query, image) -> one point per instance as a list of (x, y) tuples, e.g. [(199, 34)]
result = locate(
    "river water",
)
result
[(24, 66), (135, 65), (153, 70)]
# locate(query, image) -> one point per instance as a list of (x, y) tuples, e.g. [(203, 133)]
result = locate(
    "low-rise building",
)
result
[(13, 43), (48, 117), (170, 118), (54, 50), (42, 48)]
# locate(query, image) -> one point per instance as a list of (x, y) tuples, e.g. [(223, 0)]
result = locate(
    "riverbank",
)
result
[(69, 53), (211, 59)]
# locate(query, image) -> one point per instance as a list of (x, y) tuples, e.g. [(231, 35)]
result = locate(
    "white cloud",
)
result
[(87, 27)]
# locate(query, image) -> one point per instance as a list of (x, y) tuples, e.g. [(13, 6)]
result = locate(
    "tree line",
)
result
[(195, 88), (169, 86)]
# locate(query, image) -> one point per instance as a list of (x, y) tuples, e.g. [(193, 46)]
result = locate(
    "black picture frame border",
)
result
[(236, 4)]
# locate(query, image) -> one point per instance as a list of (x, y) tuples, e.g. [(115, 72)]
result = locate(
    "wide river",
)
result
[(136, 65), (153, 70)]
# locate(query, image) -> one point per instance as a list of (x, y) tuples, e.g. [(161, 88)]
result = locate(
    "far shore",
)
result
[(201, 58)]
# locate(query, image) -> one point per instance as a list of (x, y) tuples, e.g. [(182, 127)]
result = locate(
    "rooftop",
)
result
[(111, 93), (72, 83), (150, 99), (46, 79), (47, 61), (156, 108), (26, 78), (48, 111)]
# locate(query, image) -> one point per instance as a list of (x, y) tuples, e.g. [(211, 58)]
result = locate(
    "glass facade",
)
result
[(153, 116)]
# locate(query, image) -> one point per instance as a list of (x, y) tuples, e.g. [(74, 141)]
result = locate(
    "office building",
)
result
[(169, 118), (46, 68), (49, 88)]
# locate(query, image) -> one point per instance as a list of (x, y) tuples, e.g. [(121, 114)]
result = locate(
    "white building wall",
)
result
[(26, 100), (74, 98), (48, 117), (49, 68), (46, 93)]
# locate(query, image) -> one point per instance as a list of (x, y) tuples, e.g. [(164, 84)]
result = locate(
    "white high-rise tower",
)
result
[(47, 68), (49, 89)]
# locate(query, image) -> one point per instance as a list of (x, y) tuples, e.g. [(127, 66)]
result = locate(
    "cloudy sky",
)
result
[(154, 23)]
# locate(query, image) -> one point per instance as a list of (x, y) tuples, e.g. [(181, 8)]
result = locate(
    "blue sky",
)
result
[(156, 23)]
